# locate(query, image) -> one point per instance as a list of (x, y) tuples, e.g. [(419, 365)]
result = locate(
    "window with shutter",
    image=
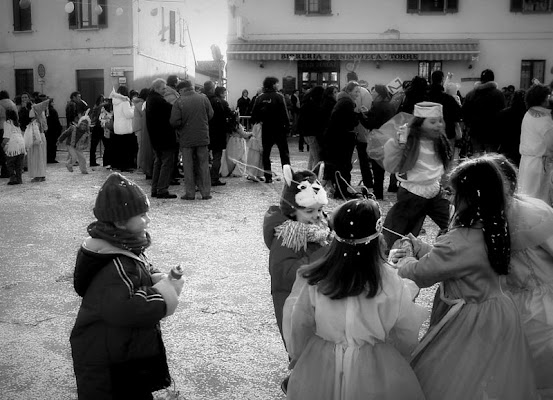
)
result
[(299, 6), (21, 17), (532, 6), (432, 6), (312, 7), (103, 17), (88, 14)]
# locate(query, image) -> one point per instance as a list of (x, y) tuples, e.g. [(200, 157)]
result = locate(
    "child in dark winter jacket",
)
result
[(116, 343), (296, 232)]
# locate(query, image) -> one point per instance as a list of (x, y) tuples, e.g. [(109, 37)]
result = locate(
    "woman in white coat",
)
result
[(536, 146), (124, 141)]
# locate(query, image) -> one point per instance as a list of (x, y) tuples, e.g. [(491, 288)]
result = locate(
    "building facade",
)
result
[(308, 42), (57, 47)]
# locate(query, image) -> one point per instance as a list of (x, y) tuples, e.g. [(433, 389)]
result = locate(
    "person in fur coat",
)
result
[(13, 146)]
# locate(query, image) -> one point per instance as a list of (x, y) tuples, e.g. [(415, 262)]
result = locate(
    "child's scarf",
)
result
[(295, 235), (119, 238)]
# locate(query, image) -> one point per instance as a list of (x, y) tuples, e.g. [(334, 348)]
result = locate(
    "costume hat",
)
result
[(427, 109), (120, 199), (302, 189)]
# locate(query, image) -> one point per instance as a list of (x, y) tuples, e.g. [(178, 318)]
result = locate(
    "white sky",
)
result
[(208, 25)]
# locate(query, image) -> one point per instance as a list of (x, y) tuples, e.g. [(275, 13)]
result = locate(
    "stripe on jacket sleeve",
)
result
[(149, 297), (123, 275)]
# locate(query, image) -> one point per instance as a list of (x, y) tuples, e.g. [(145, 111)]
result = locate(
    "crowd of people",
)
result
[(343, 285)]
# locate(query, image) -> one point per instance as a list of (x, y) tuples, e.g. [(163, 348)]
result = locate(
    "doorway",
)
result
[(90, 82)]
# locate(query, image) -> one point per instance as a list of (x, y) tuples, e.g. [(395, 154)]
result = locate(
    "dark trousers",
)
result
[(124, 152), (163, 170), (51, 145), (408, 213), (338, 160), (96, 135), (14, 166), (3, 168), (195, 162), (268, 140), (364, 164), (108, 151), (378, 179), (217, 154)]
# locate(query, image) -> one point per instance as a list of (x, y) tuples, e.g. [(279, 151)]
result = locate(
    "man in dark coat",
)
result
[(270, 110), (218, 131), (163, 139), (451, 110), (480, 110)]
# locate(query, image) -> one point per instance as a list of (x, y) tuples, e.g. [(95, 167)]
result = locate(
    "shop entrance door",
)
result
[(90, 82), (324, 73)]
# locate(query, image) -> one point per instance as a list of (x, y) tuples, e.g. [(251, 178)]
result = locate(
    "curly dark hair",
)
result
[(269, 82), (536, 95), (349, 270)]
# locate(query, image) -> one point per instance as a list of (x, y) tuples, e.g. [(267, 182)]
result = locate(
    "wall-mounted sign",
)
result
[(41, 70), (123, 80), (120, 71), (341, 56)]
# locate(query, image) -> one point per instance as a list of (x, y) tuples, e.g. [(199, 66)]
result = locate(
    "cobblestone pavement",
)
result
[(222, 342)]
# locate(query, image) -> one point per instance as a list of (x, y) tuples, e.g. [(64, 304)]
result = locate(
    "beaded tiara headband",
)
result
[(367, 239)]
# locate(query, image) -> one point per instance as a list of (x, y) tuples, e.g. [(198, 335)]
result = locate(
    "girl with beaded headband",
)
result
[(530, 278), (350, 321), (476, 334)]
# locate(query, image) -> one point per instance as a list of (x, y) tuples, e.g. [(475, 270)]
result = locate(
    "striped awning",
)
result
[(382, 50)]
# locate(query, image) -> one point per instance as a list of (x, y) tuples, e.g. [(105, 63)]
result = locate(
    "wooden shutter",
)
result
[(172, 26), (516, 5), (25, 18), (452, 6), (413, 6), (299, 6), (16, 20), (103, 17), (73, 18), (21, 17), (324, 7)]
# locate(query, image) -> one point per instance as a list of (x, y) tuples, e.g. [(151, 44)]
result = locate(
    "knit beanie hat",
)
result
[(120, 199), (302, 189)]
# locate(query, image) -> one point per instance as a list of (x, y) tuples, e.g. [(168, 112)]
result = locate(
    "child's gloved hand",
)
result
[(178, 284), (170, 290)]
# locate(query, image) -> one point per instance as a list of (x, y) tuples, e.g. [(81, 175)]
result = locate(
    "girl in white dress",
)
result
[(530, 277), (350, 320)]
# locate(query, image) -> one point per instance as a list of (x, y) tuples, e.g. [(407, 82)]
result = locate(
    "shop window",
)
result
[(324, 73), (21, 17), (530, 70), (432, 6), (24, 81), (312, 7), (88, 14), (532, 6), (427, 67)]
